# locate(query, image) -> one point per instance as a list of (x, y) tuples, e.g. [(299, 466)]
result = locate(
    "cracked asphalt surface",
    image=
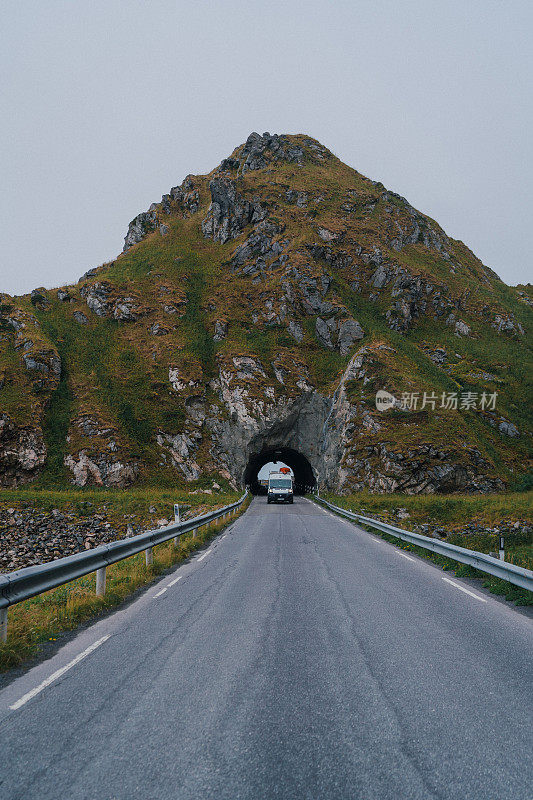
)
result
[(300, 658)]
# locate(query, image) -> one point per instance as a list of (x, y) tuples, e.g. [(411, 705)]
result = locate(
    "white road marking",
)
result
[(336, 517), (462, 589), (204, 555), (55, 675), (383, 541), (161, 592), (404, 556), (174, 581)]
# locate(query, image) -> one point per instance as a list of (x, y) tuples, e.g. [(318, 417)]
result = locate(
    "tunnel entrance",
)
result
[(304, 478)]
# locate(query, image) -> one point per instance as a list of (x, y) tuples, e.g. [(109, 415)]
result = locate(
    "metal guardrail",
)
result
[(30, 581), (519, 576)]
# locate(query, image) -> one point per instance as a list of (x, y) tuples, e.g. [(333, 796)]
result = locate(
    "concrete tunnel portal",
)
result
[(304, 477)]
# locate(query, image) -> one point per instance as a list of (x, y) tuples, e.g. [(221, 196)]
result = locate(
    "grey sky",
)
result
[(106, 105)]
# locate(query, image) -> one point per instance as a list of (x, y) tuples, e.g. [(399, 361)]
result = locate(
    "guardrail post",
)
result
[(3, 625), (100, 581), (176, 541), (149, 556)]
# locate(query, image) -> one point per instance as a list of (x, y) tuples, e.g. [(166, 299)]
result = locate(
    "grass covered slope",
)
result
[(243, 292)]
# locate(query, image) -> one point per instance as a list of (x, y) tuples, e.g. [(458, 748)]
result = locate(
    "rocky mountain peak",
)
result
[(259, 307), (258, 152)]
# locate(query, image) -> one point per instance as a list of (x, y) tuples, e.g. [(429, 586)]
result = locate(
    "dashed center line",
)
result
[(55, 675), (462, 589)]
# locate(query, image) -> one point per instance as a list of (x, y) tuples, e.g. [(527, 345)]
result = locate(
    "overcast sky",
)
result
[(107, 104)]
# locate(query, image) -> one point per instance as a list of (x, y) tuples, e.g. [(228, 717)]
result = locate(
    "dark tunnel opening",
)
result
[(304, 478)]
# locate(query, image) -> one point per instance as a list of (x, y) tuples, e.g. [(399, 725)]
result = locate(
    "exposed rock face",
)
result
[(138, 228), (102, 300), (97, 298), (22, 453), (262, 423), (102, 471), (507, 325), (179, 450), (341, 334), (229, 213), (349, 332), (382, 466), (296, 330), (323, 428), (125, 309), (42, 365), (38, 298), (157, 330), (507, 428)]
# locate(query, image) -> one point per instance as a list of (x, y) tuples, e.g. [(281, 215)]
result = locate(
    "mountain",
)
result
[(253, 314)]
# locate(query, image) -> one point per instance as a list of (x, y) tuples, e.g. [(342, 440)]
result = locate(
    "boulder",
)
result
[(125, 309), (157, 330), (221, 330), (324, 330), (508, 429), (461, 328), (295, 330), (97, 297), (350, 331), (80, 317), (100, 470)]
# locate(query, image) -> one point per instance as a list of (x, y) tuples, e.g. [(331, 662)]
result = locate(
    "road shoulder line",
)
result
[(55, 675)]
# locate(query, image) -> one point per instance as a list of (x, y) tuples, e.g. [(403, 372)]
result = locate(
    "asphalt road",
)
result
[(296, 658)]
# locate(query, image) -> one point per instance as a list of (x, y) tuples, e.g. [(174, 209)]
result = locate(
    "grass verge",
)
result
[(145, 503), (45, 617), (471, 521), (443, 509)]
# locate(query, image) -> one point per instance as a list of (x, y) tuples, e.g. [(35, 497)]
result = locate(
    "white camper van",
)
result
[(280, 488)]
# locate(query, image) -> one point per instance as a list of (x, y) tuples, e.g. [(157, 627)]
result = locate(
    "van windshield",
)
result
[(280, 483)]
